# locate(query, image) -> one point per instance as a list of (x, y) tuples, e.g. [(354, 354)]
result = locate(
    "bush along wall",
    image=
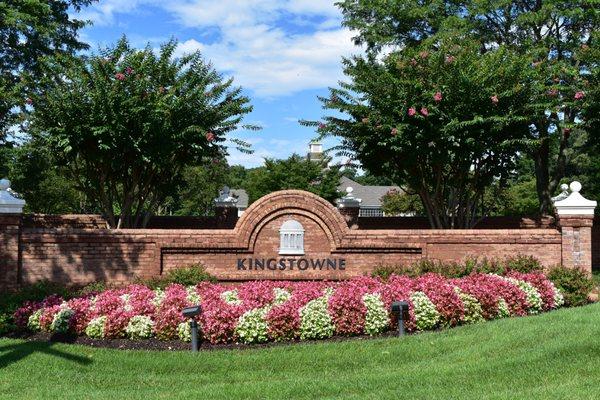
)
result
[(262, 311)]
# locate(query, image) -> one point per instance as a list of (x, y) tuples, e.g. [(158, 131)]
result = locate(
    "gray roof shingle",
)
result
[(370, 195)]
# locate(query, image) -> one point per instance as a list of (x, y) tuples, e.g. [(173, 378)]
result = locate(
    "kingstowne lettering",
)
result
[(290, 264)]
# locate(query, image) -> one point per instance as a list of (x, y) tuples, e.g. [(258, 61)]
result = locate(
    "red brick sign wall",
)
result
[(252, 249)]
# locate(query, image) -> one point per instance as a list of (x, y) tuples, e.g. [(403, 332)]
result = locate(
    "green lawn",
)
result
[(552, 356)]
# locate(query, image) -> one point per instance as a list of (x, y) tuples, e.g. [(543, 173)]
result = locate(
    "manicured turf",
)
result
[(552, 356)]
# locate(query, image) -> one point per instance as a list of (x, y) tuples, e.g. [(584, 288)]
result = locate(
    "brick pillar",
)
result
[(349, 207), (226, 210), (575, 218), (11, 208)]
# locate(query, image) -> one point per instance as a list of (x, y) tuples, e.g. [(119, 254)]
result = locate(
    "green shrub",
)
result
[(10, 301), (470, 266), (574, 284), (524, 264), (91, 288), (6, 323), (187, 276)]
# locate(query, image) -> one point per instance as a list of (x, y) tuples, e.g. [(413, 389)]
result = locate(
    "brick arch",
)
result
[(291, 202)]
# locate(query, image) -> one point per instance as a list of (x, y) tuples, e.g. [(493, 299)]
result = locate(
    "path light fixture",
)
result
[(191, 312), (400, 309)]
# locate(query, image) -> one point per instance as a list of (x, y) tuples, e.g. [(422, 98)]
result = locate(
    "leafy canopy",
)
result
[(31, 32), (442, 119), (559, 38), (126, 122)]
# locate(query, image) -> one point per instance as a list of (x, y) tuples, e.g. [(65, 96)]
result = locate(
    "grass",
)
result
[(551, 356)]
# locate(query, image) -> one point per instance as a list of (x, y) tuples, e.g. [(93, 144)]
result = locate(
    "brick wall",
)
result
[(596, 244), (79, 255)]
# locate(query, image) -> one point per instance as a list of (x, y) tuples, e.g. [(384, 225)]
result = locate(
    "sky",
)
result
[(283, 53)]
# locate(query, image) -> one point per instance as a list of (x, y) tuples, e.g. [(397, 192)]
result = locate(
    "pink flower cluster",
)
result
[(281, 304)]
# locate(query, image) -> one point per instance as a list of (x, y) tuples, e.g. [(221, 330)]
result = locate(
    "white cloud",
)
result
[(272, 63), (255, 40)]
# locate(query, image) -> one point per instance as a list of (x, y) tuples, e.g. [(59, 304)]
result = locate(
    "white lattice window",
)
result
[(291, 238), (370, 212)]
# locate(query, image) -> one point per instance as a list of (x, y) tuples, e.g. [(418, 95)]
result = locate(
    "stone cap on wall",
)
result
[(575, 203), (9, 203)]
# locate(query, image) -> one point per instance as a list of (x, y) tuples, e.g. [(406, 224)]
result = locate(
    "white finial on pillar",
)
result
[(9, 204), (575, 203), (348, 200)]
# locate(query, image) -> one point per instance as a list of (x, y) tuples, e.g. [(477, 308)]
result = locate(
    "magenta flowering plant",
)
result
[(259, 311)]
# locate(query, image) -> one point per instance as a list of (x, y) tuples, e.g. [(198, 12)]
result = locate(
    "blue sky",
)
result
[(284, 53)]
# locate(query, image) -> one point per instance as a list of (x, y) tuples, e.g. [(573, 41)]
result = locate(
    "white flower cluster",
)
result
[(192, 295), (559, 299), (280, 296), (95, 328), (231, 297), (184, 332), (534, 299), (316, 323), (61, 320), (139, 327), (377, 318), (252, 327), (473, 310), (159, 296), (33, 323), (503, 310), (426, 315)]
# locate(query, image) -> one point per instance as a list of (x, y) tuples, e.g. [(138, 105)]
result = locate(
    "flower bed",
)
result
[(262, 311)]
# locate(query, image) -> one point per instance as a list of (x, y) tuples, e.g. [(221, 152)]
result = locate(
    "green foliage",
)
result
[(574, 284), (400, 203), (125, 123), (201, 185), (42, 184), (6, 323), (446, 129), (295, 172), (31, 33), (11, 300), (557, 41), (187, 276), (519, 263)]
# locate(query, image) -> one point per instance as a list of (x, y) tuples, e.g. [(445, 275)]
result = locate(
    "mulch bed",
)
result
[(168, 345)]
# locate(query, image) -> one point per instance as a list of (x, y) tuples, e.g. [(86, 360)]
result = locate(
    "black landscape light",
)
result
[(400, 309), (191, 312)]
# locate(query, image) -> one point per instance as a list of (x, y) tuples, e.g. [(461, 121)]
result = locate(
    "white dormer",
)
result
[(291, 238)]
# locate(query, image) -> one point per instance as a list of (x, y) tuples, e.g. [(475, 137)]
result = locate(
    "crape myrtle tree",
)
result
[(31, 32), (558, 37), (442, 119), (125, 123)]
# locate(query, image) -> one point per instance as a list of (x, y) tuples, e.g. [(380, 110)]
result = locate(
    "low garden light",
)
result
[(191, 312), (400, 309)]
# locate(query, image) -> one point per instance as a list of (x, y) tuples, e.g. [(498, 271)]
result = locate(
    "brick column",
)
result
[(349, 207), (226, 210), (11, 208), (575, 218)]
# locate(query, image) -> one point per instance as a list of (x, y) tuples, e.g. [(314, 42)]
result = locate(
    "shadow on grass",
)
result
[(13, 353)]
